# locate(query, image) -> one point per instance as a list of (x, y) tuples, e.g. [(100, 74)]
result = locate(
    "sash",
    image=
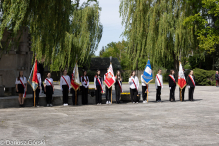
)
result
[(159, 80), (120, 86), (49, 82), (65, 81), (135, 85), (192, 80), (85, 80), (99, 83), (24, 95), (172, 79)]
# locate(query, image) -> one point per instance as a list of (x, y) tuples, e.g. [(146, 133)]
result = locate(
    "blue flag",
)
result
[(147, 75)]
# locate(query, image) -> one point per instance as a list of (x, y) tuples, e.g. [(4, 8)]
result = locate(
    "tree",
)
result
[(60, 30), (207, 19), (155, 28)]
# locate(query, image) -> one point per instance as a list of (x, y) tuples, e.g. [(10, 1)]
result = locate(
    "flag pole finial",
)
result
[(148, 57), (110, 59)]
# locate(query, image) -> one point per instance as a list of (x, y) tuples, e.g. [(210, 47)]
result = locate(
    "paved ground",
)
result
[(179, 123)]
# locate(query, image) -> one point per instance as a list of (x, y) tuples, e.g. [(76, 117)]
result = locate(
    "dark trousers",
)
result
[(108, 93), (49, 92), (217, 82), (98, 94), (73, 97), (84, 95), (183, 93), (144, 93), (37, 92), (118, 91), (158, 93), (133, 93), (191, 91), (65, 93), (172, 93)]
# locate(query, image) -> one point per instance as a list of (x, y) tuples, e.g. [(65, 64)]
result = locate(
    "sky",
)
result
[(111, 21)]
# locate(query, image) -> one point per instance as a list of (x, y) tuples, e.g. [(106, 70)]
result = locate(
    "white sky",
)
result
[(112, 27)]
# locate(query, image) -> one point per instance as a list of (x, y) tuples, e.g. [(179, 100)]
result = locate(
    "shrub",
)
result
[(204, 77)]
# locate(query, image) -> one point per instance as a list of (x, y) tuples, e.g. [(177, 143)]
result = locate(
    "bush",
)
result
[(204, 77), (125, 75)]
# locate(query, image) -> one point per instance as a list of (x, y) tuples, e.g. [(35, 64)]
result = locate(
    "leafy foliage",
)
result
[(204, 77), (60, 30)]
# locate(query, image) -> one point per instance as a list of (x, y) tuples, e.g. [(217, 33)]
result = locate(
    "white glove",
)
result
[(156, 87), (170, 88), (189, 87)]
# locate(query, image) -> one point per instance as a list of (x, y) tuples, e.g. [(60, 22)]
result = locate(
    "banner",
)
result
[(148, 75), (109, 77), (75, 80), (33, 74), (181, 77)]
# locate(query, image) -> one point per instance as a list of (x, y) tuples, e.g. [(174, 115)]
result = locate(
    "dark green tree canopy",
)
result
[(60, 30)]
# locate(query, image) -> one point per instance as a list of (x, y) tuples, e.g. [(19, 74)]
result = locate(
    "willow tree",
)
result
[(60, 30), (155, 28)]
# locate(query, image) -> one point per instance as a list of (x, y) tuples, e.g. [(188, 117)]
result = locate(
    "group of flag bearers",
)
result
[(67, 83)]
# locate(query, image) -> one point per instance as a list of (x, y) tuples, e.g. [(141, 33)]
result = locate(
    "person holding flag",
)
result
[(133, 84), (21, 88), (118, 86), (65, 87), (109, 80), (108, 90), (98, 85), (191, 85), (158, 85), (146, 78), (181, 82), (85, 86), (75, 83), (172, 85)]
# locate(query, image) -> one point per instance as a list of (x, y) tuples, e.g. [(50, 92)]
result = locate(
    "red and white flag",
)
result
[(75, 80), (181, 77), (109, 79)]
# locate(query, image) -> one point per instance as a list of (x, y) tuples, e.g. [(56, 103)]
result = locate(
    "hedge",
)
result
[(204, 77)]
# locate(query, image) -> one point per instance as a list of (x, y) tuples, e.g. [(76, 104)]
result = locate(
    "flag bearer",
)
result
[(172, 85), (65, 87), (108, 91), (144, 89), (158, 85), (38, 89)]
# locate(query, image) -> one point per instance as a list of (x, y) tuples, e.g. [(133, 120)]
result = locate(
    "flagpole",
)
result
[(76, 97), (147, 93), (34, 97), (180, 94), (111, 86)]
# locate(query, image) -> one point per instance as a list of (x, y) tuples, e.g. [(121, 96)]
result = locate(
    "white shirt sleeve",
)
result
[(16, 82), (61, 83), (156, 82), (130, 80), (25, 80), (95, 82), (137, 82), (69, 82), (87, 81)]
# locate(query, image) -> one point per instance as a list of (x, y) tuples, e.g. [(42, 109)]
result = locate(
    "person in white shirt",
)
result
[(98, 85), (158, 85), (65, 84), (48, 89), (133, 84), (108, 90), (144, 89), (85, 86), (172, 85), (38, 89), (21, 87)]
